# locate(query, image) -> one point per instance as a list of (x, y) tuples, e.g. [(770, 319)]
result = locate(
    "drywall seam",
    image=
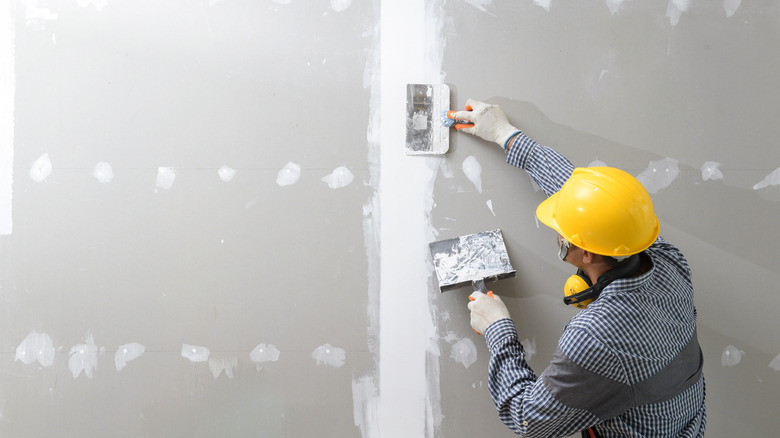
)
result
[(433, 56), (405, 198), (7, 84), (365, 389)]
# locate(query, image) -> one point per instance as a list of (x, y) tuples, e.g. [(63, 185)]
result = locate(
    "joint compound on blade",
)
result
[(425, 134)]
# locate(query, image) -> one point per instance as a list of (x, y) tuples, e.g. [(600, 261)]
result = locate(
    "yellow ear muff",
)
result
[(576, 284)]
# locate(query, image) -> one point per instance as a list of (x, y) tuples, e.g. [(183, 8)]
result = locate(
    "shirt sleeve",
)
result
[(523, 402), (544, 165)]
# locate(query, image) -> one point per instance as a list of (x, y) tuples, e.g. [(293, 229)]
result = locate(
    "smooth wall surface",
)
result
[(196, 242), (188, 255), (683, 95)]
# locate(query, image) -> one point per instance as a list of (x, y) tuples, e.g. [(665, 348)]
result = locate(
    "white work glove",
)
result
[(485, 310), (490, 122)]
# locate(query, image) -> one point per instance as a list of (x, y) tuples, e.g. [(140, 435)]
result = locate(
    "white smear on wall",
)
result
[(597, 163), (126, 353), (603, 74), (41, 168), (7, 96), (365, 409), (83, 357), (675, 9), (340, 5), (479, 4), (710, 171), (329, 355), (489, 203), (773, 179), (775, 363), (340, 177), (37, 16), (226, 173), (473, 171), (165, 177), (464, 352), (263, 353), (544, 4), (731, 6), (614, 6), (36, 347), (529, 346), (218, 365), (446, 170), (731, 356), (410, 379), (659, 174), (195, 353), (369, 209), (98, 4), (103, 172), (289, 174)]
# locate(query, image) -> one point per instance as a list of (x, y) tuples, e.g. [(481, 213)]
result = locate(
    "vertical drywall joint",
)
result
[(7, 84), (405, 201)]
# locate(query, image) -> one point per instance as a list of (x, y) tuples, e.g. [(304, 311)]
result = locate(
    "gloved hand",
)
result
[(490, 122), (485, 310)]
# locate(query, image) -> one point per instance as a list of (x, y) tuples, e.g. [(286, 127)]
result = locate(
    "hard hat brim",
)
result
[(544, 212)]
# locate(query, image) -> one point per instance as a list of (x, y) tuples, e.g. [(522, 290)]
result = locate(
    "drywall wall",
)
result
[(188, 253), (208, 226), (682, 94)]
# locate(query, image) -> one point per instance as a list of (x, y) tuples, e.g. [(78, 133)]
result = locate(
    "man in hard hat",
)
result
[(629, 363)]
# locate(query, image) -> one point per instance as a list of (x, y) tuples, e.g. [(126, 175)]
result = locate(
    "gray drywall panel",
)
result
[(224, 265), (629, 84)]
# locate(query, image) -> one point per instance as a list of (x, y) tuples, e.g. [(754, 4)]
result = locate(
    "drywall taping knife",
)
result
[(474, 259), (425, 134)]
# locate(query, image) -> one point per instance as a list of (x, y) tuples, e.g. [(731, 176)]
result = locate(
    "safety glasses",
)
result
[(563, 250)]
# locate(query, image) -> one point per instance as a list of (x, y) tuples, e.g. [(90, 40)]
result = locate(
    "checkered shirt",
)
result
[(633, 330)]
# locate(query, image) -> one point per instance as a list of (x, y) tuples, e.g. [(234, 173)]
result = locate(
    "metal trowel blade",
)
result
[(425, 134), (467, 260)]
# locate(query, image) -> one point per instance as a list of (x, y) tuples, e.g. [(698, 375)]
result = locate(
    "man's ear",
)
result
[(589, 257)]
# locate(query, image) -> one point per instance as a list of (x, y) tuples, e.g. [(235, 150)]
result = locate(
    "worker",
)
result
[(629, 363)]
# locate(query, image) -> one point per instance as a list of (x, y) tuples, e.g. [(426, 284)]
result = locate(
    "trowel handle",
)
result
[(490, 294), (448, 119)]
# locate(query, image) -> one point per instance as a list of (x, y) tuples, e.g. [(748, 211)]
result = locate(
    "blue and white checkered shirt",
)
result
[(629, 365)]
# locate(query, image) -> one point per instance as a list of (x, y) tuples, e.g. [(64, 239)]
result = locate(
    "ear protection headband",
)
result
[(579, 292)]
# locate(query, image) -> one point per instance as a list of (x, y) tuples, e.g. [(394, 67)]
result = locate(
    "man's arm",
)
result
[(544, 165), (547, 168), (523, 401)]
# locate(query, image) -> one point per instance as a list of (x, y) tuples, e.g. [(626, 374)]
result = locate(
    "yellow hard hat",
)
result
[(602, 210)]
